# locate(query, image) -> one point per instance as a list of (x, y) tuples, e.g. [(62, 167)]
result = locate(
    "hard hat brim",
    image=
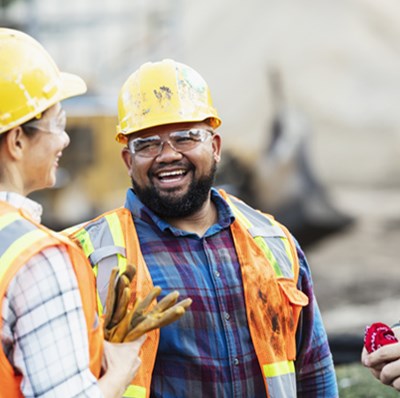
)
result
[(71, 85)]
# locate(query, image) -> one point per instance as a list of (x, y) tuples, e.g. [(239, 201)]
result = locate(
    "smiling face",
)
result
[(43, 149), (174, 184)]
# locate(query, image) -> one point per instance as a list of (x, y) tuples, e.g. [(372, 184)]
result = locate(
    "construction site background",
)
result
[(308, 92)]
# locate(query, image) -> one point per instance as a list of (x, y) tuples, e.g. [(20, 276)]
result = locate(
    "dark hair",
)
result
[(30, 131), (2, 135)]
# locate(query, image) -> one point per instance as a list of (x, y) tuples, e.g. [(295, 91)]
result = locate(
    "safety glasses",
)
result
[(55, 125), (179, 141)]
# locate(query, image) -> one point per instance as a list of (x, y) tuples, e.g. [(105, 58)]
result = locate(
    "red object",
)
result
[(377, 335)]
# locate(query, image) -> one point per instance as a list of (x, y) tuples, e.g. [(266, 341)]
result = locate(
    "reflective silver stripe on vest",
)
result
[(102, 253), (282, 386), (12, 231), (106, 237), (106, 251), (271, 234), (16, 236)]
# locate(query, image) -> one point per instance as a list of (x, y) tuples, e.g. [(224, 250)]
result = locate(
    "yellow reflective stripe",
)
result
[(240, 215), (259, 240), (87, 246), (85, 242), (135, 392), (118, 237), (270, 256), (99, 303), (18, 246), (8, 218), (278, 368), (71, 230)]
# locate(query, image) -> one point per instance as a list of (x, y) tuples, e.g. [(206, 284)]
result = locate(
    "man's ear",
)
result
[(216, 143), (15, 142), (127, 158)]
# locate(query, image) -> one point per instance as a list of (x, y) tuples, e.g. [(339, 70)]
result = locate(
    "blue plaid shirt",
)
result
[(209, 352)]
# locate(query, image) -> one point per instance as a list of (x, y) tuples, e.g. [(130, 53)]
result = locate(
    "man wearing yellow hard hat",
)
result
[(51, 338), (254, 328)]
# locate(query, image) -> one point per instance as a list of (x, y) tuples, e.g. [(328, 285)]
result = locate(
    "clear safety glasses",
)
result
[(55, 125), (179, 141)]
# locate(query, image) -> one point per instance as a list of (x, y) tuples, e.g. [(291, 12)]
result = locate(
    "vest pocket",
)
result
[(296, 300)]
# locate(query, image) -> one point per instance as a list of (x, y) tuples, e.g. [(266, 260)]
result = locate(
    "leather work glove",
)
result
[(124, 322)]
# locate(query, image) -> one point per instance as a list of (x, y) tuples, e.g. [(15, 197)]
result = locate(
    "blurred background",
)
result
[(308, 91)]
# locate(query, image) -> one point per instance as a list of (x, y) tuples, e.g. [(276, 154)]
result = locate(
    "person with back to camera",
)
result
[(51, 338), (254, 329)]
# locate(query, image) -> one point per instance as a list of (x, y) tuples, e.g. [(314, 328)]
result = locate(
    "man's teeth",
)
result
[(171, 173)]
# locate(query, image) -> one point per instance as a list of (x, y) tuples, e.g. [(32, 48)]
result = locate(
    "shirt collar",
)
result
[(140, 211), (33, 208)]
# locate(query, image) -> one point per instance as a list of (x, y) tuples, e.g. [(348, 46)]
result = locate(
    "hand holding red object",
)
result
[(377, 335)]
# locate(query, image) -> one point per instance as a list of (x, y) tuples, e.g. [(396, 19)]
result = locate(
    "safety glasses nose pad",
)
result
[(162, 145)]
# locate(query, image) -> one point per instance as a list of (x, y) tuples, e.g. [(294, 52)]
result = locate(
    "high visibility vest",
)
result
[(268, 260), (20, 239)]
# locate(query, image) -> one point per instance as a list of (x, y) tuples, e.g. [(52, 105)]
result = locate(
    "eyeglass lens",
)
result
[(180, 141)]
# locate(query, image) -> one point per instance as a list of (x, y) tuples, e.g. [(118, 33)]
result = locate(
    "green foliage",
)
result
[(355, 381)]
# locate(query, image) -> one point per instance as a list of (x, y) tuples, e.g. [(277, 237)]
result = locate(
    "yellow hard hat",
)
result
[(30, 81), (161, 93)]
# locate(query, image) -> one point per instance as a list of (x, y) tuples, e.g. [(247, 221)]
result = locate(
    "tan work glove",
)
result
[(123, 323)]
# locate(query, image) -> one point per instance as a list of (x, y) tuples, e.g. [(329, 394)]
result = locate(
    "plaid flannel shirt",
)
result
[(209, 352), (44, 334)]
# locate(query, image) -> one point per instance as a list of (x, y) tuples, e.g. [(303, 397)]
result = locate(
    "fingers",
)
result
[(121, 307), (387, 353), (125, 323), (364, 357), (168, 301), (141, 306), (110, 300), (390, 372), (119, 331), (118, 296), (155, 320), (145, 303), (396, 384), (130, 272)]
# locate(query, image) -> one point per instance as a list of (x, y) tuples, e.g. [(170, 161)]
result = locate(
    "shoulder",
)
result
[(100, 222), (49, 272)]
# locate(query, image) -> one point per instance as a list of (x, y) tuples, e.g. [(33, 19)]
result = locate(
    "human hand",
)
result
[(120, 364), (126, 322), (384, 363)]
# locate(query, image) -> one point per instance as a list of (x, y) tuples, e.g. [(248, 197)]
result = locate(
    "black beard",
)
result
[(175, 207)]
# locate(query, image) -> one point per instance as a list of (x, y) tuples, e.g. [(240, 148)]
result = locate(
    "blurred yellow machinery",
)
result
[(91, 177)]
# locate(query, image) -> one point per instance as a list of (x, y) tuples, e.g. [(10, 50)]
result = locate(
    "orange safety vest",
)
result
[(20, 239), (268, 260)]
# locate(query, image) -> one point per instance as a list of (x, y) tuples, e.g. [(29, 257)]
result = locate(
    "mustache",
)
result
[(178, 164)]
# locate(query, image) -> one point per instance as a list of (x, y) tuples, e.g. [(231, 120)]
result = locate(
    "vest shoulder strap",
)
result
[(273, 239)]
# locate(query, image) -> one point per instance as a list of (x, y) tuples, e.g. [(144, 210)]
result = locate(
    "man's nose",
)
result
[(168, 151)]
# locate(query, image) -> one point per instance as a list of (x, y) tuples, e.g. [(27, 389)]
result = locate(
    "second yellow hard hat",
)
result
[(162, 93)]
